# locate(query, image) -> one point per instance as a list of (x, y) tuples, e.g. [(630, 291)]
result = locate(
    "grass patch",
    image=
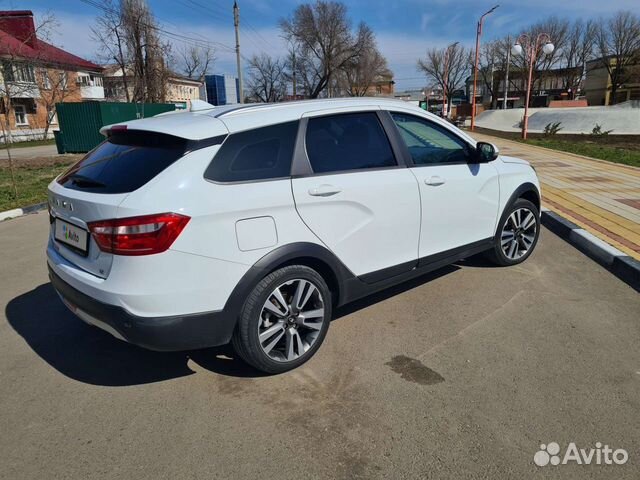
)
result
[(627, 155), (30, 143), (32, 184)]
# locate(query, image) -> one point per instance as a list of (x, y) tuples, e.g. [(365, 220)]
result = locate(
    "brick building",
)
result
[(35, 75)]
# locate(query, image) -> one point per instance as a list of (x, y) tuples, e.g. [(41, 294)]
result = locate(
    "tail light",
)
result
[(142, 235)]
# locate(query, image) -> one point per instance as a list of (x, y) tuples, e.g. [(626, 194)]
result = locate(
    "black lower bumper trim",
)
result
[(174, 333)]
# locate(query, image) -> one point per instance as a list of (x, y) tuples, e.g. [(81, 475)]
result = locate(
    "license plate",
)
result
[(73, 236)]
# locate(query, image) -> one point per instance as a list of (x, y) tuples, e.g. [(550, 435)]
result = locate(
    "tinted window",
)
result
[(125, 161), (347, 142), (429, 143), (256, 154)]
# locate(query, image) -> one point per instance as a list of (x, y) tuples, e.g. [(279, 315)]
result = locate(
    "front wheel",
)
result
[(284, 320), (517, 235)]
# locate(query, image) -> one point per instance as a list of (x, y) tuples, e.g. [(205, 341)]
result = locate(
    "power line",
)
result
[(170, 34), (253, 35)]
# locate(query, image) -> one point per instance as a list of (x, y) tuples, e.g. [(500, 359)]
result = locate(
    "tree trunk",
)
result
[(7, 141), (614, 91)]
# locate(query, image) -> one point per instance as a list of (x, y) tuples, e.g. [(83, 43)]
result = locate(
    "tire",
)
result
[(275, 338), (506, 253)]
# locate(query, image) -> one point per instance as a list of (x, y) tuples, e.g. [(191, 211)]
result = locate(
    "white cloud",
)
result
[(426, 18)]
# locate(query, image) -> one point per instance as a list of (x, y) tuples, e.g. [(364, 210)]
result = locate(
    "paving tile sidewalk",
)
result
[(601, 197)]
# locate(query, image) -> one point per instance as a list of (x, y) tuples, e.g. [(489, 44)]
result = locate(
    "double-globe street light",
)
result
[(531, 48)]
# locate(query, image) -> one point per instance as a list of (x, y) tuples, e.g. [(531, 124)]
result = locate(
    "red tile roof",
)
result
[(38, 50)]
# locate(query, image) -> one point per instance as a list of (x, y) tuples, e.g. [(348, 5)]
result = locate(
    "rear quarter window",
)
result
[(125, 162), (259, 154)]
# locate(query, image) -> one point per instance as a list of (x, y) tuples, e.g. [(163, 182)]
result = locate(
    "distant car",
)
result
[(251, 224)]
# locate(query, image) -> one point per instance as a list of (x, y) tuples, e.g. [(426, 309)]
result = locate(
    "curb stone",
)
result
[(18, 212), (623, 266)]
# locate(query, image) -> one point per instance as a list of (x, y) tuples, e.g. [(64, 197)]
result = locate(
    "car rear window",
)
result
[(259, 154), (127, 160)]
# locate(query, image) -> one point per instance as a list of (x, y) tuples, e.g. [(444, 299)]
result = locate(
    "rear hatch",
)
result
[(92, 190)]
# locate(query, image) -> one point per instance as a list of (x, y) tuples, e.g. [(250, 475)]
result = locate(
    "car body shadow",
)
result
[(477, 261), (90, 355), (392, 291)]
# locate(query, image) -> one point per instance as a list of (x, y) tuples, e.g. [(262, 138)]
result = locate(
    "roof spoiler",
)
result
[(198, 105)]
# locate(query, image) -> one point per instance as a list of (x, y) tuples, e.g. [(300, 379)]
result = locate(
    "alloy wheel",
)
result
[(291, 320), (518, 233)]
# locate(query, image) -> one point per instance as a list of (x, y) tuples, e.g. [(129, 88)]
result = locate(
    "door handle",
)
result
[(434, 181), (324, 190)]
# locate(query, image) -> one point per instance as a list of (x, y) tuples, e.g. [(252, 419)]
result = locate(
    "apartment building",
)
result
[(35, 75), (598, 85), (178, 88)]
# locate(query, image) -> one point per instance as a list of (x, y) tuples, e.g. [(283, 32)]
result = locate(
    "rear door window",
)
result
[(353, 141), (125, 162), (259, 154)]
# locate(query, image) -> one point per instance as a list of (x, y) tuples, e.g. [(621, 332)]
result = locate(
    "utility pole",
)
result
[(236, 24), (506, 74), (293, 74), (445, 80)]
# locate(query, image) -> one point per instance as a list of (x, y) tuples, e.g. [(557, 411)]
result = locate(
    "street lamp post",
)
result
[(506, 76), (445, 79), (531, 49), (475, 70)]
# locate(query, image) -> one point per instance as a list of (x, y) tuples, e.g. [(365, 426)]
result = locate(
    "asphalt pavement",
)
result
[(463, 373), (29, 152)]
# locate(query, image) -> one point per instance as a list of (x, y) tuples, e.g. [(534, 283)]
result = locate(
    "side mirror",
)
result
[(486, 152)]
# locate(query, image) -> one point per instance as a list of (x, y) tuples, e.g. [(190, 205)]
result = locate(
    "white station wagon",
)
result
[(250, 223)]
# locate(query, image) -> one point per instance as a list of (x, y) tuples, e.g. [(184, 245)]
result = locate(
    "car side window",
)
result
[(258, 154), (352, 141), (429, 143)]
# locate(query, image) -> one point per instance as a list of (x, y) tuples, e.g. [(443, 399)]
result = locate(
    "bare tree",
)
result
[(18, 81), (109, 32), (450, 76), (618, 45), (324, 42), (54, 87), (196, 60), (129, 35), (267, 81), (491, 64), (361, 72), (577, 51)]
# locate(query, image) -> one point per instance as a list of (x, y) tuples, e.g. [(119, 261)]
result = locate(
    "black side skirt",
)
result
[(358, 287)]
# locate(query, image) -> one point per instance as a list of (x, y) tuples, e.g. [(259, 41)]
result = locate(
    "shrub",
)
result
[(598, 132), (552, 128)]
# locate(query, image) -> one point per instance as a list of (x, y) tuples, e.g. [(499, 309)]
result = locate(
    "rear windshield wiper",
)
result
[(84, 181)]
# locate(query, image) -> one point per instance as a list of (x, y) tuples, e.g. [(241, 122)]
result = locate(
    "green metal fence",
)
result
[(80, 122)]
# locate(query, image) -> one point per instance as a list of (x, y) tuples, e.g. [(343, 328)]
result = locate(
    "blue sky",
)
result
[(404, 28)]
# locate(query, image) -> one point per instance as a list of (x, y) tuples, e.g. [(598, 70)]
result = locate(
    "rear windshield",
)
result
[(126, 161)]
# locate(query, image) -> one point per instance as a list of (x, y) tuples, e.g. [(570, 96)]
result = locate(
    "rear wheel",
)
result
[(517, 235), (284, 320)]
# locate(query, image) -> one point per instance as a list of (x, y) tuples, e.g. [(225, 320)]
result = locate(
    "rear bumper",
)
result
[(173, 333)]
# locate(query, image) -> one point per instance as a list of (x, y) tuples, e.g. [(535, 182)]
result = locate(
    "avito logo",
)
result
[(70, 235), (601, 455)]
